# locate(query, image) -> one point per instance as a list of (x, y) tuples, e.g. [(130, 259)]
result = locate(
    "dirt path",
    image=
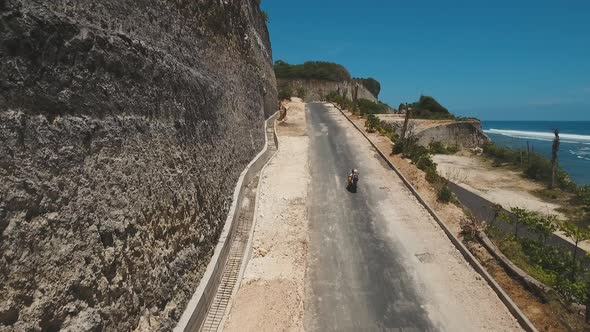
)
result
[(270, 297)]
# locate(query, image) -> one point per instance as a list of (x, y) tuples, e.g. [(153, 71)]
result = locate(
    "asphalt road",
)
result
[(356, 275)]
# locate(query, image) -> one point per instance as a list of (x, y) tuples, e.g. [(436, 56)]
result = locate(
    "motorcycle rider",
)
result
[(354, 174)]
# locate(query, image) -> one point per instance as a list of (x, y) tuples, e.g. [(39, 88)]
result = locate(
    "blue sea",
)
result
[(574, 150)]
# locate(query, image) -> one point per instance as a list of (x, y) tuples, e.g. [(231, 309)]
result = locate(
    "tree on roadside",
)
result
[(544, 226), (554, 151), (518, 218), (577, 235)]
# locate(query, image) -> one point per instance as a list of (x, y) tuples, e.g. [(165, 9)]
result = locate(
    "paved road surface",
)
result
[(377, 261)]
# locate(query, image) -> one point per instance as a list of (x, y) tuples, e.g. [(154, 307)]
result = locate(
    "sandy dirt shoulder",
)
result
[(271, 294)]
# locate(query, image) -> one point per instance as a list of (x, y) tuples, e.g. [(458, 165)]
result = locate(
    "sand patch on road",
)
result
[(271, 305)]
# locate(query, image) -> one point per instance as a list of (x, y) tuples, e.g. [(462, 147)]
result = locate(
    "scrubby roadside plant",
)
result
[(445, 194), (285, 93), (544, 226), (583, 195), (438, 147), (301, 92), (577, 235), (372, 123), (518, 218)]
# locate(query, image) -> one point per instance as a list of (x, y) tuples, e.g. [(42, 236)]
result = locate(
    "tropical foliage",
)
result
[(318, 70)]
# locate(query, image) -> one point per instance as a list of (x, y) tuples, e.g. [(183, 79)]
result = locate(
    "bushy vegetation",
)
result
[(422, 158), (366, 106), (370, 84), (342, 101), (428, 108), (301, 93), (264, 14), (285, 93), (439, 148), (583, 195), (318, 70), (373, 123), (533, 165), (554, 266)]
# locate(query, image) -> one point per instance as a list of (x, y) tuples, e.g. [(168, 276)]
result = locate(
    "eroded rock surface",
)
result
[(124, 126), (319, 89), (460, 133)]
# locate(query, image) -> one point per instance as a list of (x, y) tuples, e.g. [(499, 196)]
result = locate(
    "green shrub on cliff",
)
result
[(285, 93), (428, 108), (370, 84), (368, 107), (439, 148), (319, 70), (342, 101), (301, 92)]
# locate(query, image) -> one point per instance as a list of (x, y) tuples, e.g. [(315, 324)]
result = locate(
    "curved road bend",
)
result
[(377, 260)]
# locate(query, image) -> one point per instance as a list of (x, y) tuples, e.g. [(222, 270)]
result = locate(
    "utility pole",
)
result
[(405, 127), (554, 161)]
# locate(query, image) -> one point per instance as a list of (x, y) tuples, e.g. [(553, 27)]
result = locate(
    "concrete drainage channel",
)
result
[(206, 309), (233, 265)]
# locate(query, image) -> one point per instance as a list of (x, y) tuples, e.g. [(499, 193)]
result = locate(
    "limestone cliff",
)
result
[(124, 126), (318, 89), (466, 134)]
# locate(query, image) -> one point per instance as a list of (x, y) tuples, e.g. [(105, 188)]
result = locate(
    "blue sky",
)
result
[(497, 60)]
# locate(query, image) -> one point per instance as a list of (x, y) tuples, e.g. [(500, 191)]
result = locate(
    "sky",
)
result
[(496, 60)]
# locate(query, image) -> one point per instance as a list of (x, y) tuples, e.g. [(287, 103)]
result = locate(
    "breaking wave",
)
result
[(583, 153), (540, 136)]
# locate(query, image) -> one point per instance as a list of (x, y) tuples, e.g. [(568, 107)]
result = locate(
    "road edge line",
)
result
[(524, 322), (196, 309)]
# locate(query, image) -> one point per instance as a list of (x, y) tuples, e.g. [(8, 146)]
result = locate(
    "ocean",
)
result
[(574, 150)]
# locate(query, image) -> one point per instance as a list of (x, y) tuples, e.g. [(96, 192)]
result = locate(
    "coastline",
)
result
[(500, 185), (574, 151)]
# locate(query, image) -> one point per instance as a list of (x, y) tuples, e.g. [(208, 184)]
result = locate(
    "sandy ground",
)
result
[(501, 186), (270, 297)]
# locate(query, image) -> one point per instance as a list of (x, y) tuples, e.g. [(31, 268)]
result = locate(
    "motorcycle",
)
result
[(353, 179)]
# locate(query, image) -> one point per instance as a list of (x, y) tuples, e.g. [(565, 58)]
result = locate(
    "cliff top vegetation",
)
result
[(319, 70), (371, 84)]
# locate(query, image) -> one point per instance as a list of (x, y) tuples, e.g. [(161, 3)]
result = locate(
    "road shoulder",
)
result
[(271, 293)]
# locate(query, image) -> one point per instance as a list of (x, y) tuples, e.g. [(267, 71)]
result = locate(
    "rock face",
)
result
[(318, 89), (124, 126), (465, 134)]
